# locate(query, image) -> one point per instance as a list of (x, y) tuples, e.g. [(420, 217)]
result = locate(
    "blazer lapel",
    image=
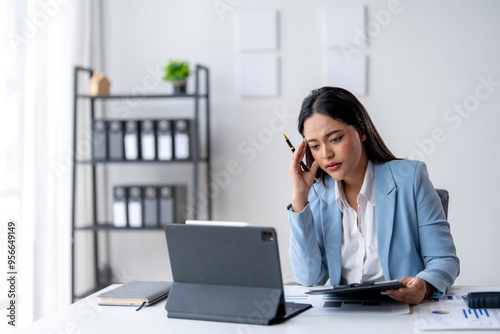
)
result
[(332, 232), (385, 205)]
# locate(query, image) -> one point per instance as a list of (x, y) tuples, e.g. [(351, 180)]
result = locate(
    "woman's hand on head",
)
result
[(301, 181), (415, 290)]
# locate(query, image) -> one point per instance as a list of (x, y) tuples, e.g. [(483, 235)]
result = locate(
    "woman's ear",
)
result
[(362, 132)]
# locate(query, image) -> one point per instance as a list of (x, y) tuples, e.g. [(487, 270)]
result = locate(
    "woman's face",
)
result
[(337, 147)]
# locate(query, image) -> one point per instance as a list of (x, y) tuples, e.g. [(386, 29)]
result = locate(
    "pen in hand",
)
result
[(302, 164)]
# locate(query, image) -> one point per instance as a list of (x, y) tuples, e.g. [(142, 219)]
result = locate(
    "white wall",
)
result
[(422, 62)]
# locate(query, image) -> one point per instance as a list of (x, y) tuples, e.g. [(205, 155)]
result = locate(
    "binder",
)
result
[(165, 140), (172, 204), (148, 140), (150, 206), (167, 208), (134, 207), (115, 140), (131, 140), (182, 139), (119, 207), (99, 140)]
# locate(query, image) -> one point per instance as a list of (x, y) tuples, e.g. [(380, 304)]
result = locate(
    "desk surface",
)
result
[(85, 316)]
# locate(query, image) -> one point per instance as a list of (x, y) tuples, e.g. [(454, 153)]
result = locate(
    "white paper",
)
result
[(216, 223), (148, 147), (165, 147), (323, 305), (119, 214), (257, 29), (450, 312), (347, 71), (345, 26), (131, 151), (135, 214), (181, 146), (259, 75)]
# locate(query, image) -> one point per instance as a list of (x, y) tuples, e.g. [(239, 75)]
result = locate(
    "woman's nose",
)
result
[(327, 153)]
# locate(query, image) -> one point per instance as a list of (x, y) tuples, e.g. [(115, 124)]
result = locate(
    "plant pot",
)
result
[(180, 86)]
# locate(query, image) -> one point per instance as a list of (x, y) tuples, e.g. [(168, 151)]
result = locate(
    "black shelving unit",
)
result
[(94, 226)]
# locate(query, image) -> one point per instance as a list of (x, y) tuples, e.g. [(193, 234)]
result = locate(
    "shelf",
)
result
[(95, 162), (199, 158), (111, 227), (135, 96)]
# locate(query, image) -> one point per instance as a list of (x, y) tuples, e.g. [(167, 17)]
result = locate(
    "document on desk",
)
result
[(450, 312), (324, 304)]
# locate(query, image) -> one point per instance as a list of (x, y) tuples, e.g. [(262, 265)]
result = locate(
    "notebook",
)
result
[(226, 273), (135, 293)]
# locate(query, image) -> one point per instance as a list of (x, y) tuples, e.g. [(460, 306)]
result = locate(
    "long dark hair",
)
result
[(343, 106)]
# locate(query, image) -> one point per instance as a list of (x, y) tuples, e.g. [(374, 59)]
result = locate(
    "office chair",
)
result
[(444, 197)]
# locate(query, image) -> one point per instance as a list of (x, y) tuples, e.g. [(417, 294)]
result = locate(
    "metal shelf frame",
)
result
[(96, 227)]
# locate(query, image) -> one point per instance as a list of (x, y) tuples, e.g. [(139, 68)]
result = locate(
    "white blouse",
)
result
[(360, 261)]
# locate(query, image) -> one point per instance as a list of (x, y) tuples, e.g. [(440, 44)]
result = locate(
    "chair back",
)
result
[(444, 197)]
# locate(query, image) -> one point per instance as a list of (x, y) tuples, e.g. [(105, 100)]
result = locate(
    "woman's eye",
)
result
[(336, 139), (314, 147)]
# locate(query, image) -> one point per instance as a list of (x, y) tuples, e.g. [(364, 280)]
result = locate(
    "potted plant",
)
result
[(177, 72)]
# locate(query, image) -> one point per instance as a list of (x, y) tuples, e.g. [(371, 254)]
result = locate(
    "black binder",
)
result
[(99, 140), (150, 206), (115, 140), (229, 274)]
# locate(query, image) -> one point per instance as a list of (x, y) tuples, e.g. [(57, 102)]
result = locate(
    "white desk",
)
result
[(85, 316)]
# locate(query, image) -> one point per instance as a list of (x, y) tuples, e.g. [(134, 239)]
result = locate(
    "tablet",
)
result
[(357, 288)]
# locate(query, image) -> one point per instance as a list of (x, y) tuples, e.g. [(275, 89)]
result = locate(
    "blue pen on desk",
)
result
[(302, 164)]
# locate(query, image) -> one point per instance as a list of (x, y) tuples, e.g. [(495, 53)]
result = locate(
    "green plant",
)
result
[(176, 70)]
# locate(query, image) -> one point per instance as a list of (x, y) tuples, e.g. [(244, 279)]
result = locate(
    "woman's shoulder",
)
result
[(403, 171), (403, 167)]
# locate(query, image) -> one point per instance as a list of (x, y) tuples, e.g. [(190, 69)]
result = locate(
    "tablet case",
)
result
[(229, 274), (371, 289)]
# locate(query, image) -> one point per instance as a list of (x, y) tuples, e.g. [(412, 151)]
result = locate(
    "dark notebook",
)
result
[(136, 293), (229, 274)]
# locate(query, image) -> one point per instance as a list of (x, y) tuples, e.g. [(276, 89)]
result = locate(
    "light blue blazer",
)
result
[(413, 236)]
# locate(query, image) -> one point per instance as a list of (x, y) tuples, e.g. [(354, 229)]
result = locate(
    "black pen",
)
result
[(302, 164)]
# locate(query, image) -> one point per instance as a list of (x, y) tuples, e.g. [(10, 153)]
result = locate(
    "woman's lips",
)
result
[(333, 166)]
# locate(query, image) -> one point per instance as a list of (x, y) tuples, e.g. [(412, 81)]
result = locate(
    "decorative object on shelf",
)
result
[(177, 72), (99, 85)]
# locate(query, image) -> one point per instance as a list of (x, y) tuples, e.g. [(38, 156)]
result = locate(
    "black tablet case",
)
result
[(372, 289), (229, 274)]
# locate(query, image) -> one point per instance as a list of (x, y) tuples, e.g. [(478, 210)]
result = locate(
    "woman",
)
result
[(371, 216)]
